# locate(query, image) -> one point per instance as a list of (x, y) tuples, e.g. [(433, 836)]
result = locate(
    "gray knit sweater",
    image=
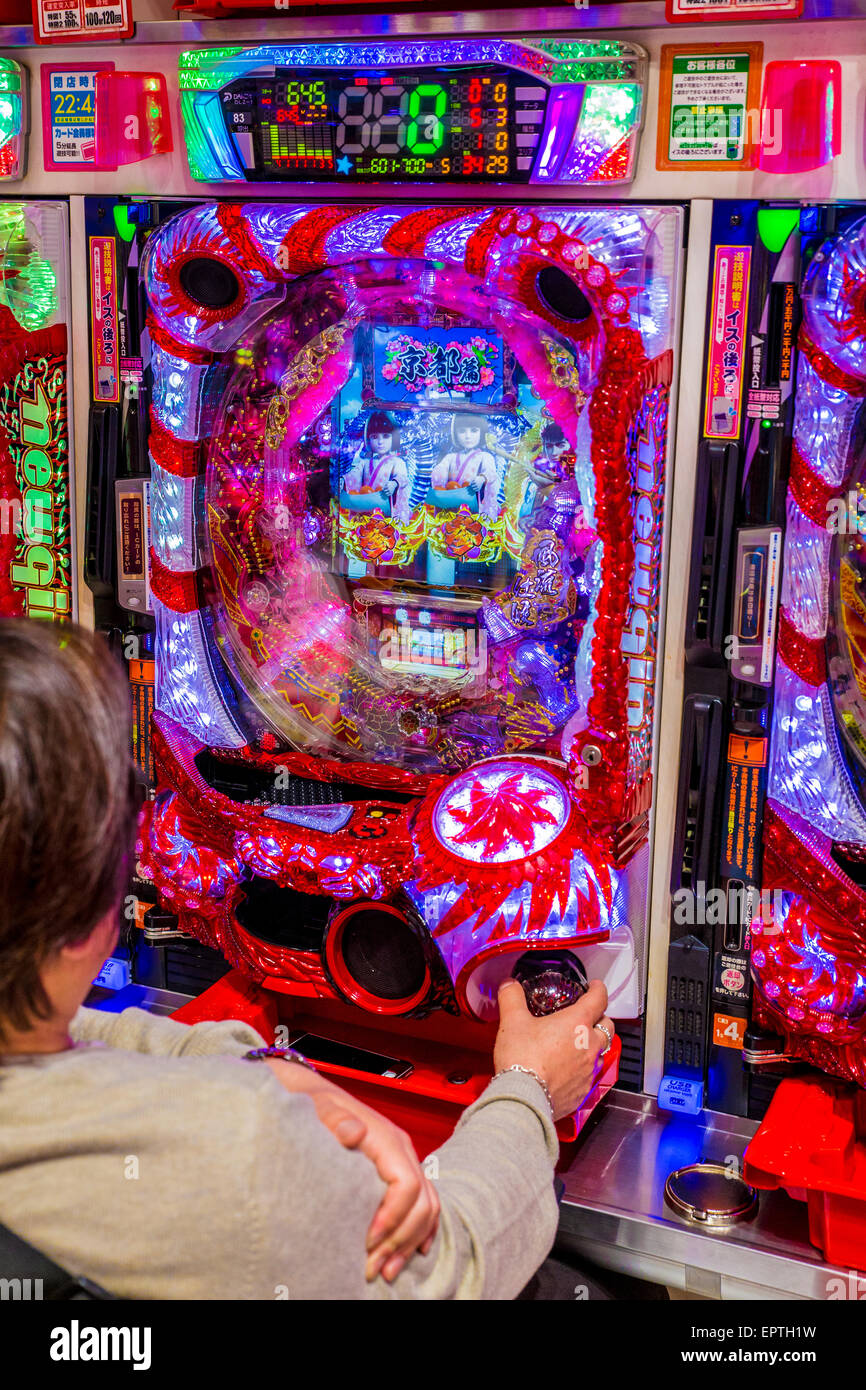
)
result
[(152, 1159)]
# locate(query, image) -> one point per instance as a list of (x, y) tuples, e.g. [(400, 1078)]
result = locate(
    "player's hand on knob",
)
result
[(564, 1048)]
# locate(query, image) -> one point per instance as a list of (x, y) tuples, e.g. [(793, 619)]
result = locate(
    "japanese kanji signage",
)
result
[(103, 309), (459, 363), (726, 356), (709, 106), (69, 113), (81, 21)]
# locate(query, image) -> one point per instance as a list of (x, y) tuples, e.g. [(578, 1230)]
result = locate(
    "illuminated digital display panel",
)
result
[(437, 123)]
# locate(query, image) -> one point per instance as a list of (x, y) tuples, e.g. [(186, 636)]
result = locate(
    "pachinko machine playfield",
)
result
[(389, 518), (406, 509)]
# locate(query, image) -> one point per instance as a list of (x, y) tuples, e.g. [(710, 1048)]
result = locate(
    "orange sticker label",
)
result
[(747, 751), (142, 672), (728, 1032)]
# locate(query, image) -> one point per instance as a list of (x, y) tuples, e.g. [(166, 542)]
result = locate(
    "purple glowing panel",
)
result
[(185, 689), (833, 302), (563, 112), (172, 504), (807, 774), (178, 393), (804, 578), (824, 422)]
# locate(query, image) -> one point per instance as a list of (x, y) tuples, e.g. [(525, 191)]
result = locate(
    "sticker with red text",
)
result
[(726, 358), (103, 320), (81, 21), (695, 11)]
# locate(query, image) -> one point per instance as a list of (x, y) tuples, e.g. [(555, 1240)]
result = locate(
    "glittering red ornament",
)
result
[(805, 656)]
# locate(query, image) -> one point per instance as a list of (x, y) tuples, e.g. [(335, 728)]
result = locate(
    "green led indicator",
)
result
[(125, 229), (775, 225), (426, 122)]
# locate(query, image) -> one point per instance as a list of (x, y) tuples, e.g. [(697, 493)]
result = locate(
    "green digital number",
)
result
[(313, 92), (426, 128)]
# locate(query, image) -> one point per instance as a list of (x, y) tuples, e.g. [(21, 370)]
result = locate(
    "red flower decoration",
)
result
[(499, 815)]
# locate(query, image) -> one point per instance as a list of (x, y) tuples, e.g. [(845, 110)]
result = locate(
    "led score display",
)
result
[(435, 124)]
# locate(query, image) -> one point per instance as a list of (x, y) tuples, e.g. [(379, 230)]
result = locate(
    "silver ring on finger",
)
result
[(603, 1028)]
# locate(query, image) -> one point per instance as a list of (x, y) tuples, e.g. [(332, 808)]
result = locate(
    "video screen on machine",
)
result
[(419, 549)]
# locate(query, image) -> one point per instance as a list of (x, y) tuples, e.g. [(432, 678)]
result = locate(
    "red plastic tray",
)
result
[(808, 1144), (429, 1102)]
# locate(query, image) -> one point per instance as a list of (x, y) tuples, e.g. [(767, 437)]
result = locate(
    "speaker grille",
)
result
[(382, 954)]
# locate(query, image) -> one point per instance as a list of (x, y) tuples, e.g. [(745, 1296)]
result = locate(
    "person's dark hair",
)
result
[(378, 423), (67, 800), (553, 434)]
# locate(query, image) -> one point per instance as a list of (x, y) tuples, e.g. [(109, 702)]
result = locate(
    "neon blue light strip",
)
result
[(208, 113)]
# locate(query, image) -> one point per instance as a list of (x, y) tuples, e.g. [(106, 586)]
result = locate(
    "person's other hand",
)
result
[(564, 1048), (408, 1216), (476, 485)]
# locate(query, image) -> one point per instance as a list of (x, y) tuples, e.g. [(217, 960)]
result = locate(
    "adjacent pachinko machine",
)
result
[(36, 562), (767, 965), (809, 951), (405, 485)]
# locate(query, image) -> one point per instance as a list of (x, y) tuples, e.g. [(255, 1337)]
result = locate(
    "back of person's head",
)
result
[(67, 805)]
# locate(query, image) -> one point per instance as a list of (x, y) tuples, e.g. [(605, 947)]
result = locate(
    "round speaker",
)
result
[(559, 293), (209, 282), (376, 958)]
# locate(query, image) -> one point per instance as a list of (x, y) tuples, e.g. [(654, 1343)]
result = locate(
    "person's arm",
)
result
[(409, 1207), (498, 1214), (400, 503), (495, 1174), (135, 1030), (495, 1182)]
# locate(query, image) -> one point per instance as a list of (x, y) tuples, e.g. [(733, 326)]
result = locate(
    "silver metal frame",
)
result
[(614, 1212)]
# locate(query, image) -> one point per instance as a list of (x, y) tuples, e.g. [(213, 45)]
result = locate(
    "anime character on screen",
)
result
[(543, 469), (468, 466), (535, 625), (378, 473)]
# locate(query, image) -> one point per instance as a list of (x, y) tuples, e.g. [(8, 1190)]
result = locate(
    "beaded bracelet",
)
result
[(285, 1054)]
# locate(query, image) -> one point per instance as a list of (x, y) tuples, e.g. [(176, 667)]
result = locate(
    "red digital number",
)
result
[(476, 117)]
